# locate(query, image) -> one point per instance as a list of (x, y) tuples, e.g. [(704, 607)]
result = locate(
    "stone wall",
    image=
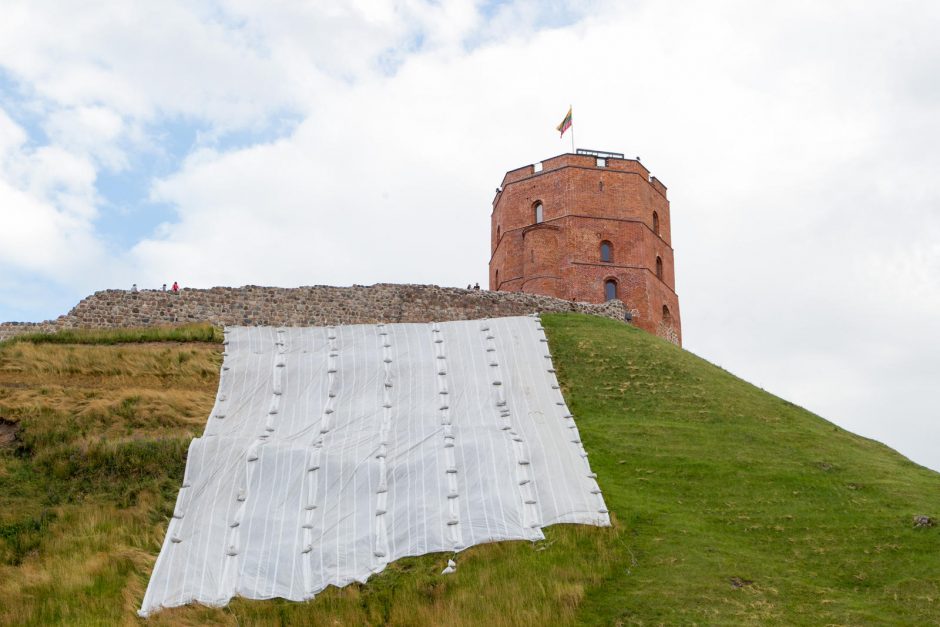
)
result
[(301, 306)]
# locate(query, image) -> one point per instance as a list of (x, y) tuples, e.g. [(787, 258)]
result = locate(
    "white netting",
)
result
[(332, 451)]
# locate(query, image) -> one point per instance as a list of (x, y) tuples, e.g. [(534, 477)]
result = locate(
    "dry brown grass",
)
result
[(191, 365), (79, 540)]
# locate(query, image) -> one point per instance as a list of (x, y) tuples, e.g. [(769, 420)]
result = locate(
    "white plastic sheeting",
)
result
[(332, 451)]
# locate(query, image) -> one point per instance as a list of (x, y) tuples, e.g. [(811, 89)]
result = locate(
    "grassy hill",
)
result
[(731, 506)]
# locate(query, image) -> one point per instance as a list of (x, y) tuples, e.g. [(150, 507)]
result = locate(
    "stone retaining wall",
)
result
[(302, 306)]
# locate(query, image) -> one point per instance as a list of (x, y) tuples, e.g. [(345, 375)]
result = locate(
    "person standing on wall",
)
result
[(176, 287)]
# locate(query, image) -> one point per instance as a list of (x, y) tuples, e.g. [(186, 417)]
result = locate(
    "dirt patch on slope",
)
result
[(8, 430)]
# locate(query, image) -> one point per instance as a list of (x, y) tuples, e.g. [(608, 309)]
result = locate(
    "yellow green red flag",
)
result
[(565, 124)]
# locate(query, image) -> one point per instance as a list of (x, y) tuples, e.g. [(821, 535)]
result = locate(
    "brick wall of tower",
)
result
[(583, 204)]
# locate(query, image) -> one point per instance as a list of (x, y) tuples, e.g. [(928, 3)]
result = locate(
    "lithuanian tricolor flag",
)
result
[(565, 124)]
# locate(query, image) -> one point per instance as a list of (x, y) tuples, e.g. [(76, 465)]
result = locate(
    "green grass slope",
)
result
[(730, 506), (735, 506)]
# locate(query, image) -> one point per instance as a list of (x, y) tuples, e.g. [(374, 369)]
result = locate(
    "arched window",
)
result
[(659, 268), (538, 212), (607, 251), (656, 222), (610, 289), (666, 315)]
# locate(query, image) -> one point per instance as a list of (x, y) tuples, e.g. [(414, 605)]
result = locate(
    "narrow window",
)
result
[(656, 222), (606, 251), (610, 289), (497, 232), (659, 268), (666, 315), (538, 213), (497, 279)]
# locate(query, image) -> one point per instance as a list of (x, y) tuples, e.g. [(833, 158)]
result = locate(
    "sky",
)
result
[(298, 143)]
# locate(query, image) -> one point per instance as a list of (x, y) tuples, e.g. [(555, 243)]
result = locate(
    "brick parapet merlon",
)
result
[(301, 306)]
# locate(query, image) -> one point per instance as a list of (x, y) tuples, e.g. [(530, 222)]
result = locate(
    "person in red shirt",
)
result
[(176, 287)]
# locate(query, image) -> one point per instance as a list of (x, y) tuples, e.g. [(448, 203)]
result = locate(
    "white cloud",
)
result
[(36, 237), (141, 62), (12, 135), (46, 204), (92, 131)]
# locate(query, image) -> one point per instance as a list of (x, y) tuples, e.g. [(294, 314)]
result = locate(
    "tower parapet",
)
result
[(588, 227)]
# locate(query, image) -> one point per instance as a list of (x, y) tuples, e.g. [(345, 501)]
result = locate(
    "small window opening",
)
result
[(497, 232), (659, 268), (496, 281), (601, 162), (666, 315), (610, 289), (537, 167), (656, 222), (606, 251), (538, 213)]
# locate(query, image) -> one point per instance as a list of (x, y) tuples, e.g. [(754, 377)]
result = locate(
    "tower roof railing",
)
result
[(603, 154)]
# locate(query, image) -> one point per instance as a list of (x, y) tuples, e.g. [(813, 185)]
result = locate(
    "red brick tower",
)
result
[(589, 227)]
